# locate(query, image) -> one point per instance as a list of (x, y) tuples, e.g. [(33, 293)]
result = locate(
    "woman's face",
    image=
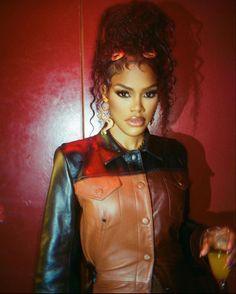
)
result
[(132, 100)]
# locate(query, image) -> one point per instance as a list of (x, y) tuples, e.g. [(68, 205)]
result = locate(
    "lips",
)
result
[(136, 121)]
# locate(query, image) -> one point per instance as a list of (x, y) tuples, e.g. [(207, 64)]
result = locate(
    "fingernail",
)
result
[(230, 264)]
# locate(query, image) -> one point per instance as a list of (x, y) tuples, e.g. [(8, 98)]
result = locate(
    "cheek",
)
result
[(117, 107), (151, 107)]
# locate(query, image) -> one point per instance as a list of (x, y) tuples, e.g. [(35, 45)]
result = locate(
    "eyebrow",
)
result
[(128, 88)]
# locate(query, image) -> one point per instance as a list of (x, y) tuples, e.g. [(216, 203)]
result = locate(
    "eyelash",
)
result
[(123, 94), (150, 94), (126, 94)]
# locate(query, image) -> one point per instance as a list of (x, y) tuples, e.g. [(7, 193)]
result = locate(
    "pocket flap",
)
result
[(97, 187)]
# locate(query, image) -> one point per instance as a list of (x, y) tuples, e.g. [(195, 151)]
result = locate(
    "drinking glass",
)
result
[(218, 254)]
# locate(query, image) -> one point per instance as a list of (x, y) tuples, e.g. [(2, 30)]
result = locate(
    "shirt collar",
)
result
[(111, 150)]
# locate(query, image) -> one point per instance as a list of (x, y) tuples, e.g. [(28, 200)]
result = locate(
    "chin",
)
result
[(135, 131)]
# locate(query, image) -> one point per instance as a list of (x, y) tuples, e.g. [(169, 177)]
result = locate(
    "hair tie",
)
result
[(147, 54), (117, 55), (150, 54)]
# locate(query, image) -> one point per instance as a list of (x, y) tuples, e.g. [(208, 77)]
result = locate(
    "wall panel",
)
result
[(40, 108)]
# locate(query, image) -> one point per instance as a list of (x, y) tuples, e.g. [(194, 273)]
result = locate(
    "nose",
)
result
[(137, 105)]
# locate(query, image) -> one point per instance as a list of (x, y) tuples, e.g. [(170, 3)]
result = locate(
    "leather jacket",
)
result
[(115, 219)]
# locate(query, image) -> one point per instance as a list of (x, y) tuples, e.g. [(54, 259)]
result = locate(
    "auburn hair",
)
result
[(132, 29)]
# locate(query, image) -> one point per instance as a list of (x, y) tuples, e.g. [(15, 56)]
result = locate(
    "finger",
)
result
[(205, 247), (231, 242), (231, 259)]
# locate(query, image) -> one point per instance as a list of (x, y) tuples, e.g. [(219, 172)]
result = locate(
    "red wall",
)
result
[(45, 101)]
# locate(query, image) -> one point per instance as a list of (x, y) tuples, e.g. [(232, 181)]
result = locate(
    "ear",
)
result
[(104, 90)]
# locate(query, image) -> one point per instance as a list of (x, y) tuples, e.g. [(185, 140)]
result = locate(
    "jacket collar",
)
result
[(110, 150)]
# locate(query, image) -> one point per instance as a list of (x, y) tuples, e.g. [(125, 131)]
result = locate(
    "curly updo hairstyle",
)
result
[(134, 28)]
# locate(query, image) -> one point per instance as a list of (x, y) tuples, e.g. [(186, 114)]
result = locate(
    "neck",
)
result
[(128, 142)]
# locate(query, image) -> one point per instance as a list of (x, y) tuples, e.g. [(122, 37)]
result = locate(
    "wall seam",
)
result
[(81, 29)]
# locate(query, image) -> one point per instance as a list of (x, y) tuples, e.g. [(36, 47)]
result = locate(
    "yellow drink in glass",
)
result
[(217, 260)]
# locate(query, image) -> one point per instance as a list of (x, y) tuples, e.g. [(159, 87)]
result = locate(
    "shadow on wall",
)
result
[(189, 85), (189, 62)]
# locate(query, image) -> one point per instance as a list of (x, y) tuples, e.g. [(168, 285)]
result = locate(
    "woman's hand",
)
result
[(222, 238)]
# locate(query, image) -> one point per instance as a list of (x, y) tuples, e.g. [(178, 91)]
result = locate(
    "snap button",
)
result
[(99, 191), (145, 221), (141, 185), (180, 183), (146, 257), (133, 156)]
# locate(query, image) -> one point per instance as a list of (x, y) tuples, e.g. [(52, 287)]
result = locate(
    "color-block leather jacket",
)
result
[(115, 219)]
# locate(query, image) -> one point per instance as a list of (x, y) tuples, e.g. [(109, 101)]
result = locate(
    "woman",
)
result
[(116, 213)]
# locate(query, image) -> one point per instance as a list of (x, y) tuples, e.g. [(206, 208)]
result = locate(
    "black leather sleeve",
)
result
[(190, 231), (190, 236), (59, 233)]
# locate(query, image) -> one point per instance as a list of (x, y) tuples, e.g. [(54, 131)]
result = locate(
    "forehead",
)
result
[(135, 76)]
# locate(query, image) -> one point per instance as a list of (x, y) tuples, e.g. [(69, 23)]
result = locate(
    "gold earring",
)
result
[(109, 124), (104, 115), (104, 99)]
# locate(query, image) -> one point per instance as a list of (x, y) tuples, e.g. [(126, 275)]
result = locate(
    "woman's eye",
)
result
[(123, 94), (151, 94)]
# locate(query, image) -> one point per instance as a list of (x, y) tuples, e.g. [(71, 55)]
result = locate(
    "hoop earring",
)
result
[(104, 115)]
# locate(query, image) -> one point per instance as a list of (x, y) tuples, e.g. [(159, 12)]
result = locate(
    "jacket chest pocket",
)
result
[(99, 199), (177, 184)]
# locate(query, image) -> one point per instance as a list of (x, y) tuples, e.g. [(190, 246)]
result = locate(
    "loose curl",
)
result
[(134, 28)]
